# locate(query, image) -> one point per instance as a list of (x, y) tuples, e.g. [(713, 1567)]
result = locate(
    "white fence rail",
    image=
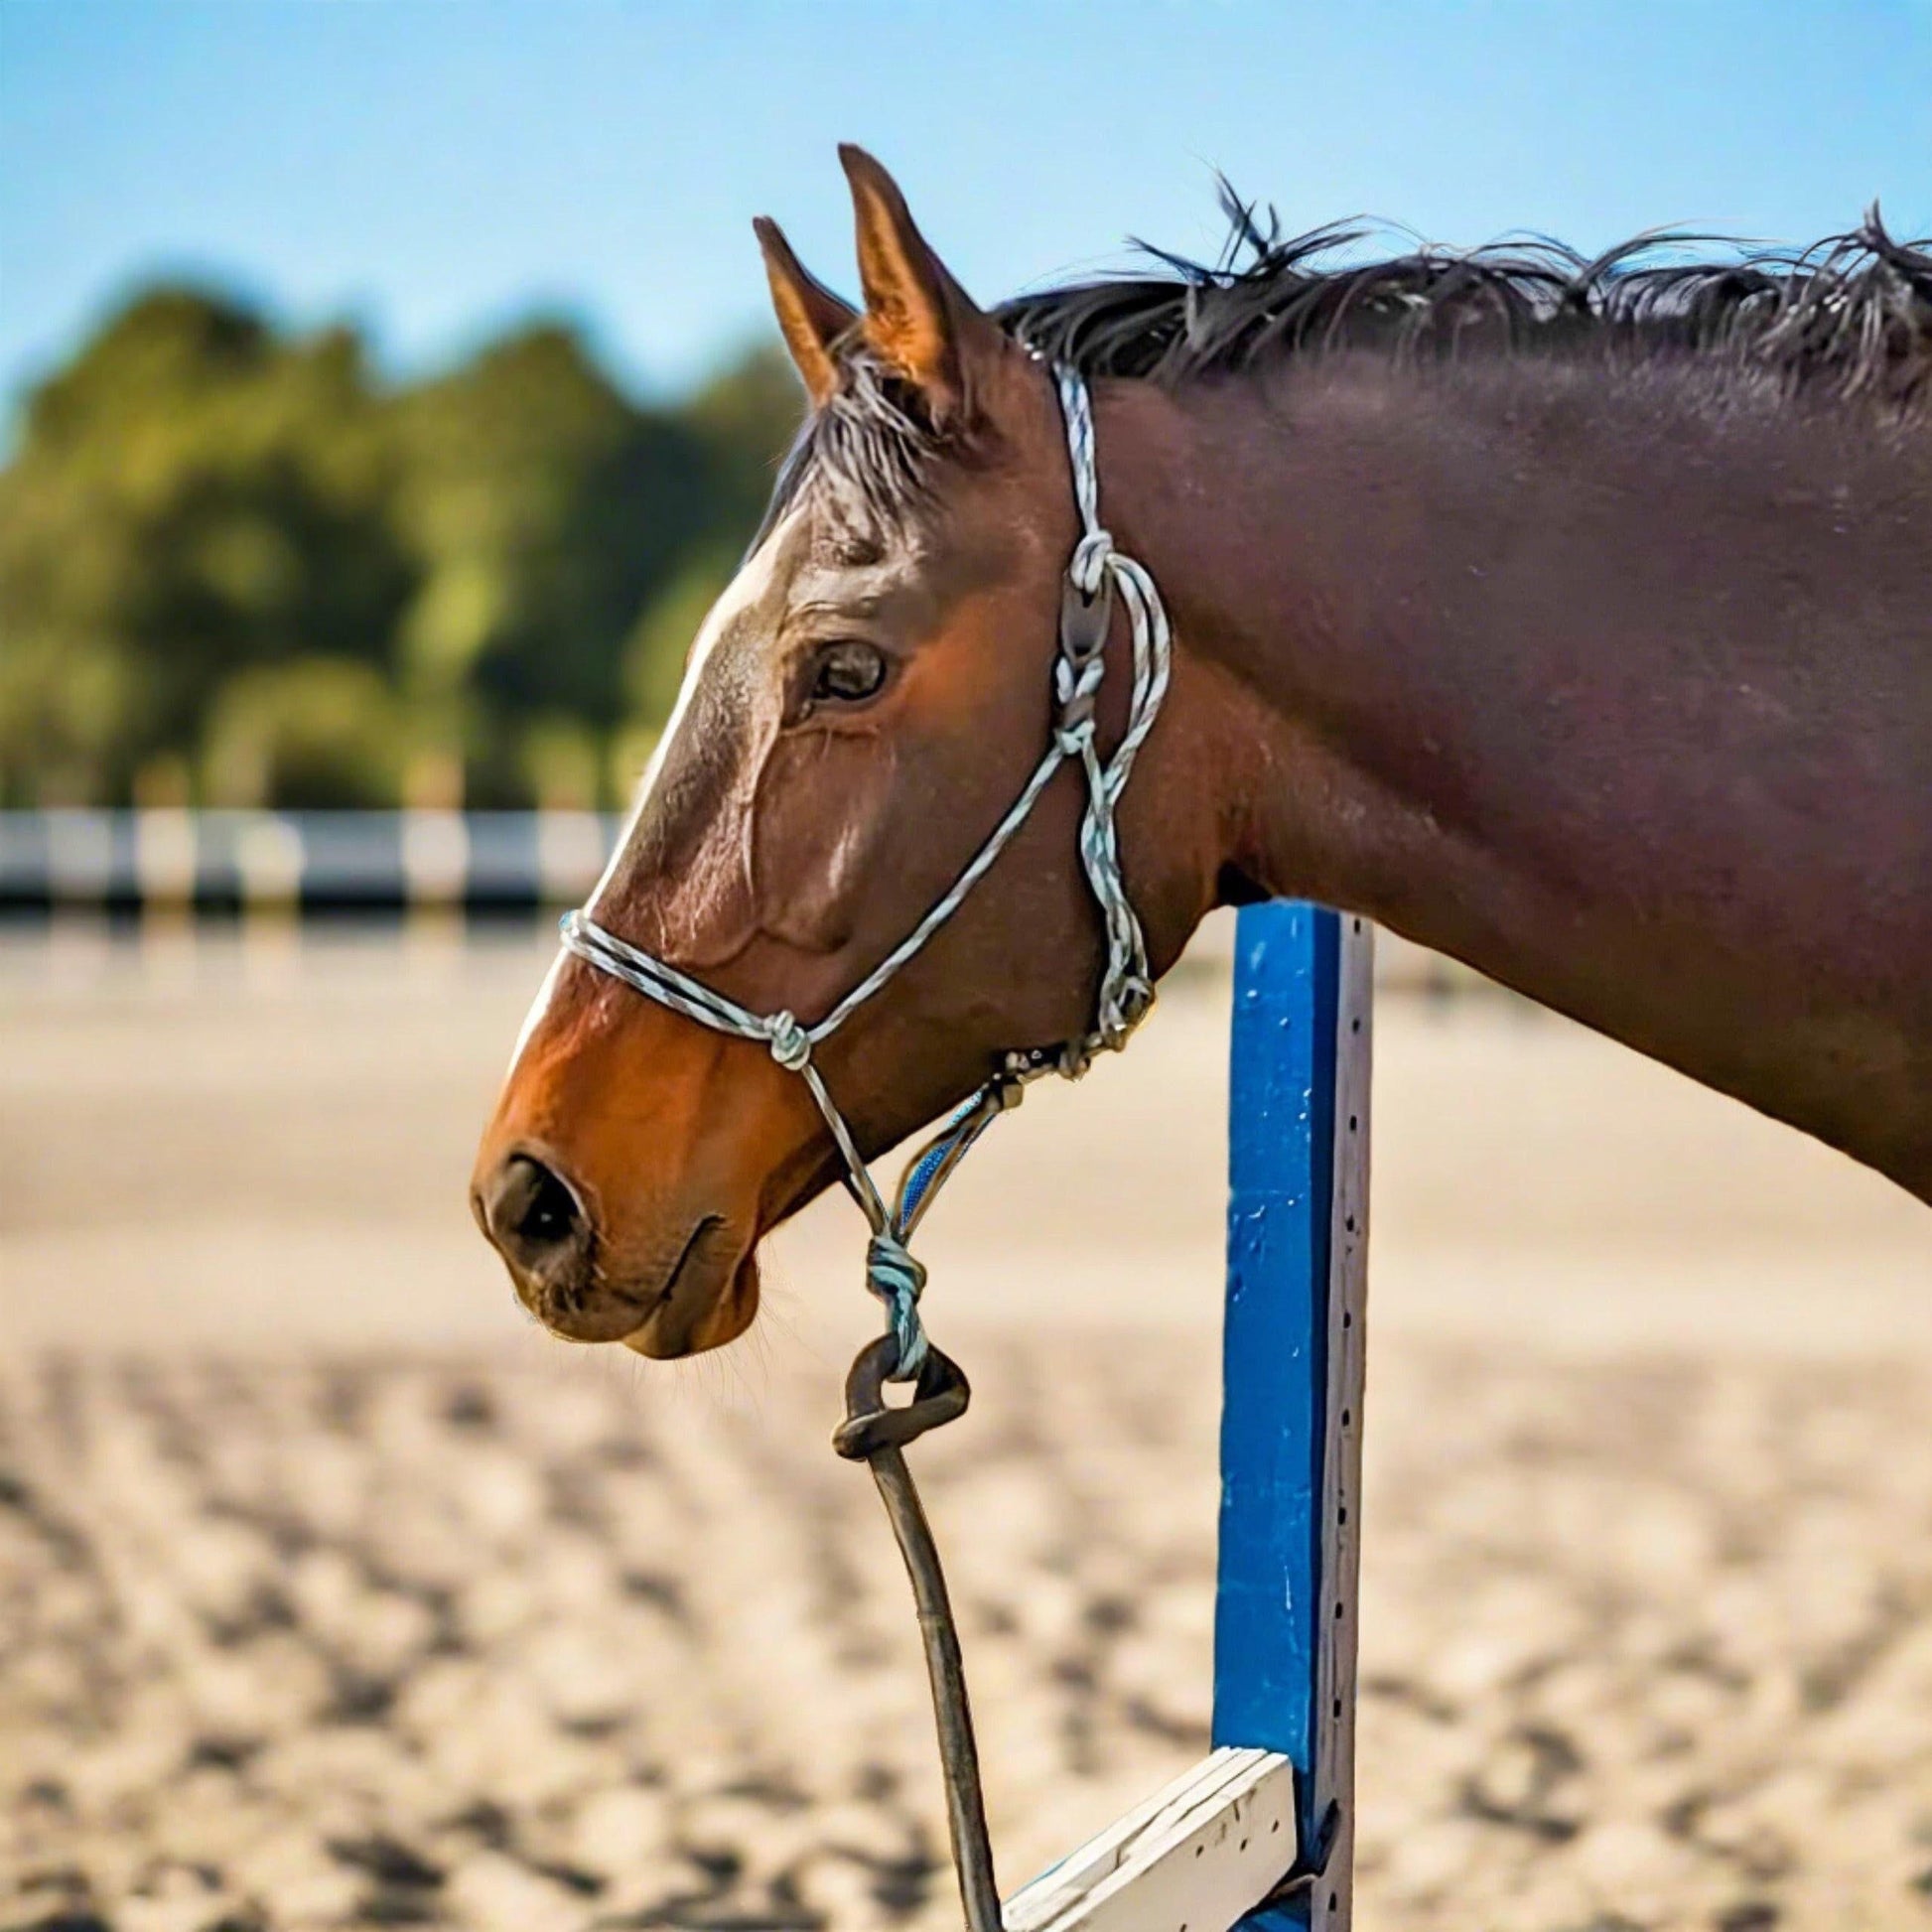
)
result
[(317, 861), (389, 862)]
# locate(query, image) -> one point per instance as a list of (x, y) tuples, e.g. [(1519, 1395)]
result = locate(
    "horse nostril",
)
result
[(530, 1212)]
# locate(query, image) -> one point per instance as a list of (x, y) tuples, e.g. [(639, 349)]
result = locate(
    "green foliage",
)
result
[(235, 549), (192, 497), (320, 732), (654, 655), (745, 418)]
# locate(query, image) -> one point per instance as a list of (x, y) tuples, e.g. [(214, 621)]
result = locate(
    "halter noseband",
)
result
[(1093, 573)]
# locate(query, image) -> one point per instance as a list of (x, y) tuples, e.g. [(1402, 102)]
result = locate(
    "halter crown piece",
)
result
[(1094, 572)]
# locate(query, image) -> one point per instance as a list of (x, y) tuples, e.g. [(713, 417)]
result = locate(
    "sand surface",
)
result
[(331, 1593)]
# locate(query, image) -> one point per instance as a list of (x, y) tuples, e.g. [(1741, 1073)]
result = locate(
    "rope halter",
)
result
[(1095, 573)]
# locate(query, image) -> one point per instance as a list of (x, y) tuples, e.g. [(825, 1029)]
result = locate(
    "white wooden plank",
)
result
[(1192, 1858), (1034, 1905)]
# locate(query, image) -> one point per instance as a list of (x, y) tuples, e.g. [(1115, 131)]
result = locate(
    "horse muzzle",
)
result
[(565, 1275)]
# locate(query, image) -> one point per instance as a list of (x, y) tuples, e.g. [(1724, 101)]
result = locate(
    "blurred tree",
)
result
[(656, 652), (746, 417), (654, 657), (320, 733), (191, 496), (563, 764), (546, 509), (500, 570)]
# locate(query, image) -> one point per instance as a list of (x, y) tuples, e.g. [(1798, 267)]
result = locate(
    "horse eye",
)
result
[(847, 672)]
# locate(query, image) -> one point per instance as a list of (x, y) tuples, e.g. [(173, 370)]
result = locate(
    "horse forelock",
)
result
[(865, 457)]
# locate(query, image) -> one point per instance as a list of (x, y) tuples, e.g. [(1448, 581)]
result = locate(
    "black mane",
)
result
[(1850, 315), (1854, 311)]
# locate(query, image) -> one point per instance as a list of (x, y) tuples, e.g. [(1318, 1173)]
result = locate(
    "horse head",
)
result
[(859, 711)]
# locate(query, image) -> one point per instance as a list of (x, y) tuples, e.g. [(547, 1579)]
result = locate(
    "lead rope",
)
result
[(874, 1430)]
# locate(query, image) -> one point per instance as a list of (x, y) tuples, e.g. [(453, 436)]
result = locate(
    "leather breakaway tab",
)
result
[(1085, 620)]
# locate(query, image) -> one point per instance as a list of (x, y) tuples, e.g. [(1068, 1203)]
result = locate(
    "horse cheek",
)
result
[(821, 822)]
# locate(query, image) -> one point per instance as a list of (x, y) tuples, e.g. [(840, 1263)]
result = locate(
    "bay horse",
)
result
[(1573, 619)]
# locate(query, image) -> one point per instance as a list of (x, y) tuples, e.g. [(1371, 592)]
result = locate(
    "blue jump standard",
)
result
[(1273, 1615)]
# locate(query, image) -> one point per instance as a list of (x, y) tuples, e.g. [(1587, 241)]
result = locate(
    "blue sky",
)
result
[(437, 167)]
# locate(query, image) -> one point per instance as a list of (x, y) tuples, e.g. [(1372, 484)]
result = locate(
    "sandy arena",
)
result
[(332, 1593)]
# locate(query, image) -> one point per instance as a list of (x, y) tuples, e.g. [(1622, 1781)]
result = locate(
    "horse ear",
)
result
[(810, 316), (919, 320)]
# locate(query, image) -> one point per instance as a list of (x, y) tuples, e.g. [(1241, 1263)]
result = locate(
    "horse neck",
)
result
[(1496, 673)]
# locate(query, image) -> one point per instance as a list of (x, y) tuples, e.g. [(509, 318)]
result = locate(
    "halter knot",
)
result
[(1076, 1057), (1087, 567), (1126, 1009), (791, 1046), (1076, 688), (897, 1277)]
